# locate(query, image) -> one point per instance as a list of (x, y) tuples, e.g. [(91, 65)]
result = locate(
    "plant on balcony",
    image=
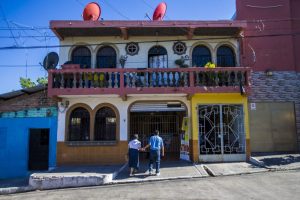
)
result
[(180, 63), (211, 76), (210, 65), (123, 60)]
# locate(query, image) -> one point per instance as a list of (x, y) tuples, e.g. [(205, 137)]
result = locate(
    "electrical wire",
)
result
[(29, 36), (19, 66), (5, 19), (116, 10), (210, 22), (154, 41), (80, 3)]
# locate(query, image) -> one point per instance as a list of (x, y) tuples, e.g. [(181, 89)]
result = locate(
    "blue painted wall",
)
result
[(14, 144)]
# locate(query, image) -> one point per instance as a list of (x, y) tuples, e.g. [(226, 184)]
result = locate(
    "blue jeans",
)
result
[(154, 157)]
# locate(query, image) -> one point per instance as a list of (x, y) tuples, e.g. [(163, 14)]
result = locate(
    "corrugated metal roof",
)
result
[(14, 94), (34, 89)]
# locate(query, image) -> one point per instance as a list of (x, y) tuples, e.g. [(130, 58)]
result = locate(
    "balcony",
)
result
[(71, 80)]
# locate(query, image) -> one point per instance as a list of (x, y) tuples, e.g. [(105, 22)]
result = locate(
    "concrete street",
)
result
[(267, 185)]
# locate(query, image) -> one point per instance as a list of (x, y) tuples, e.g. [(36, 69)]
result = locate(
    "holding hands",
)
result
[(142, 149)]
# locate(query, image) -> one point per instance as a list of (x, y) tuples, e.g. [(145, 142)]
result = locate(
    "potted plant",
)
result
[(211, 76), (179, 62)]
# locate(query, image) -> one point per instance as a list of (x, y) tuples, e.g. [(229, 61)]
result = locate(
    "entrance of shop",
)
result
[(38, 149), (221, 133), (144, 122)]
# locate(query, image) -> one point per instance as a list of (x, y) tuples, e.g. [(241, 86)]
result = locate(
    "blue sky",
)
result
[(37, 13)]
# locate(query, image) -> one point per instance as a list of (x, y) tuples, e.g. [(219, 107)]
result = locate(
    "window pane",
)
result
[(105, 124), (82, 55), (79, 125), (106, 58), (201, 56), (226, 57), (158, 57)]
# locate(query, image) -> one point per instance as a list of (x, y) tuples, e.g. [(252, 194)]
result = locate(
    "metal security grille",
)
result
[(168, 124), (221, 129)]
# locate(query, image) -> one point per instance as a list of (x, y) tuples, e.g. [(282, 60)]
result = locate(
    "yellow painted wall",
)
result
[(219, 98)]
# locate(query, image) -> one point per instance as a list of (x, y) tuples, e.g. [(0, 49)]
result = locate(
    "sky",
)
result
[(22, 20)]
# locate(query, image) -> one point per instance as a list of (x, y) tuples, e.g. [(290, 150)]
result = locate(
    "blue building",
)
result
[(28, 126)]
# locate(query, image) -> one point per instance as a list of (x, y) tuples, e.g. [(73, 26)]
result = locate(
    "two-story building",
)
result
[(133, 77), (272, 49)]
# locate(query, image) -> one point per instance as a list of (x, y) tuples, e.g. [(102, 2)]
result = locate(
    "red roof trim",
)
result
[(56, 24)]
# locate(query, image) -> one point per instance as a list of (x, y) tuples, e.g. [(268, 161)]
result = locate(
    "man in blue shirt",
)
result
[(156, 145)]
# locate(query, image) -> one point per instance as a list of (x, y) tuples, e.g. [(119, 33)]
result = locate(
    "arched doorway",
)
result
[(158, 57), (200, 56), (106, 57), (225, 57), (166, 117), (82, 55)]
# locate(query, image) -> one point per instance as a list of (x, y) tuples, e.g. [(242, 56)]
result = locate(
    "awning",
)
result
[(157, 107)]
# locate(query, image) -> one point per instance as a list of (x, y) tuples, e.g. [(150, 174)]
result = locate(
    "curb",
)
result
[(13, 190), (156, 180), (257, 162), (39, 186)]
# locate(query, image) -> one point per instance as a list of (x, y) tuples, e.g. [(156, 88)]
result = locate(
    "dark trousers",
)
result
[(154, 157)]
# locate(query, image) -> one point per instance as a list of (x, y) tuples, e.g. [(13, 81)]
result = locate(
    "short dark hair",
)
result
[(156, 132), (135, 136)]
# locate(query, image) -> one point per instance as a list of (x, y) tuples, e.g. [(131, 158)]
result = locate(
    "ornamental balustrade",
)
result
[(73, 80)]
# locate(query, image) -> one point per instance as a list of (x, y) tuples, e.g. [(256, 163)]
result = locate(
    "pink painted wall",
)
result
[(295, 7), (270, 44)]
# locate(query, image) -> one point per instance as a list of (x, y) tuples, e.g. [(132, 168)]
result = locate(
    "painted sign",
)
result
[(184, 146), (253, 106)]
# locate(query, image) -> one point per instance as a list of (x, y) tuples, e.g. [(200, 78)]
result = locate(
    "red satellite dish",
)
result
[(160, 12), (91, 12)]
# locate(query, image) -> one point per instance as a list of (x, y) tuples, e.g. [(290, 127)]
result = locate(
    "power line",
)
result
[(146, 3), (26, 29), (154, 41), (116, 10), (5, 19), (30, 36), (19, 66), (211, 22), (79, 2)]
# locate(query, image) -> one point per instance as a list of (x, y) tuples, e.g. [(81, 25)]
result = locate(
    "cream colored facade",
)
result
[(145, 43), (97, 153)]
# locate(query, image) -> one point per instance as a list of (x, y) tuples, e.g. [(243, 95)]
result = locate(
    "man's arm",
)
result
[(147, 146), (162, 149)]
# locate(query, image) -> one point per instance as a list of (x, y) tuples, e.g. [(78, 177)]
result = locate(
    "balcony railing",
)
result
[(75, 81)]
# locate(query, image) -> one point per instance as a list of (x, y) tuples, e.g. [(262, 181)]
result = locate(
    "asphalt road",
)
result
[(270, 185)]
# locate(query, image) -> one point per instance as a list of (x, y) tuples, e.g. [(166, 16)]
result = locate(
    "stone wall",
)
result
[(280, 87)]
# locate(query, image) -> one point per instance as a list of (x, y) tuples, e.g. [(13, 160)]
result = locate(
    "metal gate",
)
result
[(221, 133), (168, 123)]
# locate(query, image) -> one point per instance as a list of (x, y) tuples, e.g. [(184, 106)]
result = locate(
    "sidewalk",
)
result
[(75, 176), (64, 177), (169, 170)]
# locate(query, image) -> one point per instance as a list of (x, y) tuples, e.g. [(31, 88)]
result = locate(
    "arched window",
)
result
[(226, 57), (79, 125), (82, 55), (158, 57), (106, 57), (201, 55), (105, 124)]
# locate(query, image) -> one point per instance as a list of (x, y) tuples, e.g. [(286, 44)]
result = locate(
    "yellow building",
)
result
[(220, 128)]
